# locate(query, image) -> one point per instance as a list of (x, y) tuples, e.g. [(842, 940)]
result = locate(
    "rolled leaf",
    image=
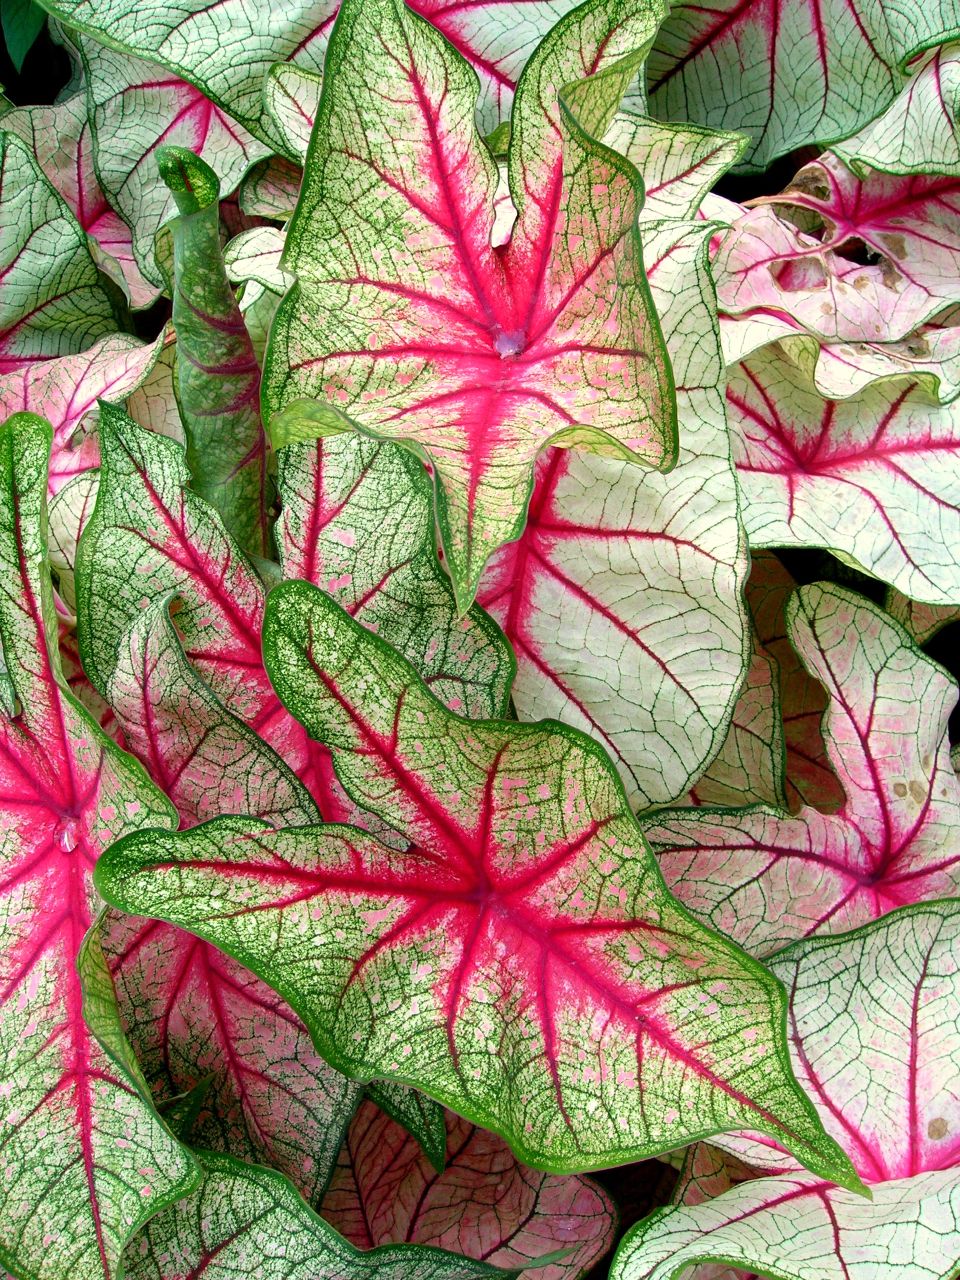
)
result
[(877, 1056), (521, 961), (408, 324), (53, 303), (249, 1221), (622, 598), (86, 1158), (218, 377), (765, 877), (483, 1204)]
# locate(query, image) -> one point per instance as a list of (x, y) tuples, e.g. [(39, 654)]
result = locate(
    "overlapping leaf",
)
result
[(249, 1221), (789, 74), (226, 47), (86, 1158), (875, 478), (622, 599), (923, 621), (765, 877), (482, 1205), (66, 391), (52, 300), (406, 323), (875, 1045), (520, 961)]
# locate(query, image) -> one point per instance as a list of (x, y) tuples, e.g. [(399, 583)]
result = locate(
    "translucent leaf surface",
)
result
[(86, 1159), (483, 1204), (406, 323), (520, 961), (875, 478), (875, 1047), (765, 877), (249, 1221), (622, 597)]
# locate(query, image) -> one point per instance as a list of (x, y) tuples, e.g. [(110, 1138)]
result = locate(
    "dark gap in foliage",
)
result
[(810, 564), (855, 250), (148, 323), (46, 69), (748, 186), (636, 1189), (944, 647)]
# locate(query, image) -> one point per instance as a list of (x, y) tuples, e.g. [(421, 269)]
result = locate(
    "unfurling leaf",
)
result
[(406, 323), (86, 1158), (766, 877), (520, 961)]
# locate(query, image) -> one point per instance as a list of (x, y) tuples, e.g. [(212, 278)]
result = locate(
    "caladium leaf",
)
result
[(520, 961), (249, 1221), (62, 144), (135, 107), (645, 571), (255, 255), (474, 357), (782, 72), (271, 189), (923, 621), (876, 1050), (919, 132), (495, 36), (154, 403), (67, 390), (291, 95), (218, 377), (874, 478), (86, 1158), (810, 778), (483, 1204), (421, 1117), (765, 877), (53, 303), (68, 512)]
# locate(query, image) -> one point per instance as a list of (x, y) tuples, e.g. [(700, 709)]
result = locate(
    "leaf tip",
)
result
[(193, 183)]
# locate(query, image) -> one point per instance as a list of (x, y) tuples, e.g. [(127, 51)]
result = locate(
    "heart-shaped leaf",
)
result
[(765, 877), (52, 302), (519, 959), (408, 324), (782, 72), (876, 1050), (875, 478), (483, 1204), (135, 107), (624, 581), (218, 377), (86, 1158), (249, 1221), (495, 36), (67, 390)]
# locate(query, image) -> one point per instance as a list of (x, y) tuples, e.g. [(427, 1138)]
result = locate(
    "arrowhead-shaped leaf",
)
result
[(876, 1048), (495, 36), (134, 108), (66, 392), (521, 961), (483, 1204), (765, 877), (406, 323), (782, 72), (624, 581), (249, 1221), (86, 1158), (61, 140), (875, 477), (52, 301), (218, 377)]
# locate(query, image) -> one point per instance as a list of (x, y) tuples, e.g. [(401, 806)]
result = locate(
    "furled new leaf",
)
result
[(875, 478), (622, 599), (483, 1204), (521, 961), (218, 377), (406, 323), (766, 877), (86, 1159), (249, 1221), (789, 74), (875, 1045), (52, 302)]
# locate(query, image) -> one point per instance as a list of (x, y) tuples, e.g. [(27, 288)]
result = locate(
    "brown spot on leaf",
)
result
[(896, 244), (918, 791), (937, 1128), (890, 275), (899, 788)]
